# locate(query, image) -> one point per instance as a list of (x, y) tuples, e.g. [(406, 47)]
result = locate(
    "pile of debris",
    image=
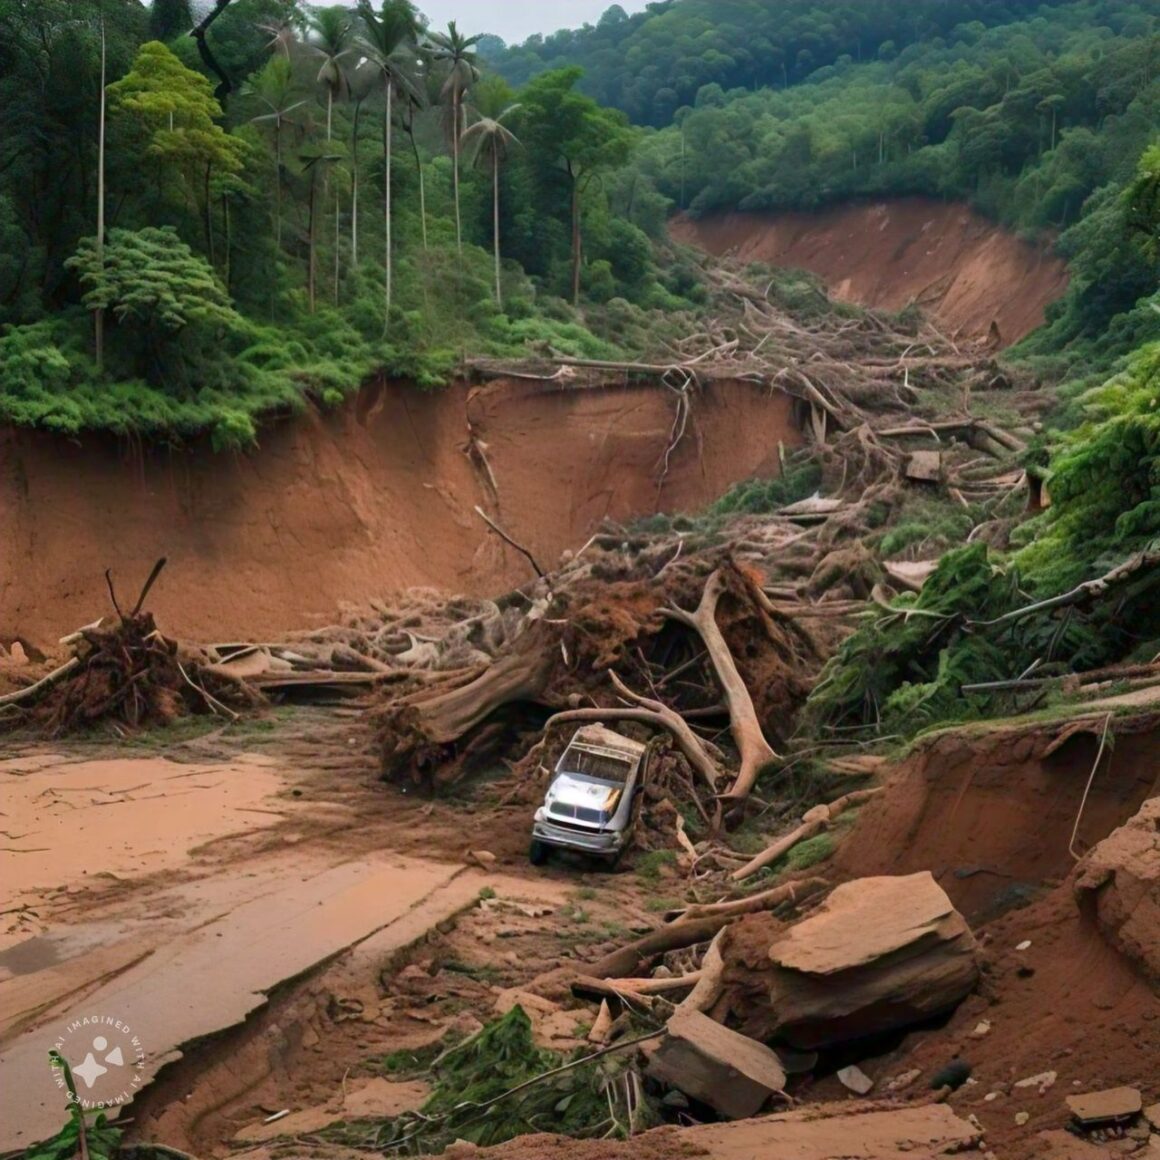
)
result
[(125, 674), (770, 1001)]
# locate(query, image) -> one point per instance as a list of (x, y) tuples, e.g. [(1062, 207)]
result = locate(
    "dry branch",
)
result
[(814, 822), (45, 682), (709, 985), (756, 752), (767, 900), (590, 987)]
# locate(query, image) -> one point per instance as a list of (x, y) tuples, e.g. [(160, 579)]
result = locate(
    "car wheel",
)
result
[(538, 852)]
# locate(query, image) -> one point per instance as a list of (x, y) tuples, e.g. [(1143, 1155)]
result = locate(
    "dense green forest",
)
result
[(1036, 113), (319, 195), (297, 197)]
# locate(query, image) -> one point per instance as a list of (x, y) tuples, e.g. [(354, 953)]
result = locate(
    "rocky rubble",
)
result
[(879, 954), (1119, 884)]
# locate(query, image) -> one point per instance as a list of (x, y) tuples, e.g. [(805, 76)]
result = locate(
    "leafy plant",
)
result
[(79, 1135)]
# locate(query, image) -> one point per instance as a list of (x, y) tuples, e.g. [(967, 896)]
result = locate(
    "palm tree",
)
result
[(455, 50), (331, 42), (494, 140), (412, 106), (362, 82), (274, 87), (385, 36)]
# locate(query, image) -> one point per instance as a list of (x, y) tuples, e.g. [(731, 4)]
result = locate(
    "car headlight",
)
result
[(539, 814)]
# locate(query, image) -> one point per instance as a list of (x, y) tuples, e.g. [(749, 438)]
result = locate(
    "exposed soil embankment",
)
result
[(992, 815), (965, 270), (355, 504)]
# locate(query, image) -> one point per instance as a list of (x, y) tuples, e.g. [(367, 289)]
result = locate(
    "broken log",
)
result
[(767, 900), (813, 823), (756, 752), (631, 960)]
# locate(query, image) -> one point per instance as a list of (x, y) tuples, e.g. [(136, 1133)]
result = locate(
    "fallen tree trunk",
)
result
[(767, 900), (756, 752), (420, 732), (630, 961), (589, 987), (814, 822)]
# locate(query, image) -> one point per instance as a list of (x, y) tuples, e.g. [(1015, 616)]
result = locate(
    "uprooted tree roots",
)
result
[(618, 649), (125, 673)]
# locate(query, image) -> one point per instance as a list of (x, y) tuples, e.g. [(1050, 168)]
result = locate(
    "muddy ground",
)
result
[(442, 941)]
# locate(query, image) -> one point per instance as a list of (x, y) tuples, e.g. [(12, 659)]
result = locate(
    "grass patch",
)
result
[(648, 866), (663, 905), (810, 852)]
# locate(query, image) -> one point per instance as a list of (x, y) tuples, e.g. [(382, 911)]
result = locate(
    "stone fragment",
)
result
[(722, 1068), (1042, 1081), (902, 1082), (1119, 882), (880, 953), (856, 1080), (1108, 1106)]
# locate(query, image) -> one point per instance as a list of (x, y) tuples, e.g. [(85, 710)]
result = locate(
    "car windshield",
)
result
[(601, 765)]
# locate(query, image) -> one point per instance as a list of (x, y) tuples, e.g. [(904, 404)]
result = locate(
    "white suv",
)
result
[(590, 803)]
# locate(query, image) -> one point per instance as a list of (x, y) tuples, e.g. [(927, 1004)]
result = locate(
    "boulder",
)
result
[(879, 954), (1110, 1106), (732, 1074), (1119, 885)]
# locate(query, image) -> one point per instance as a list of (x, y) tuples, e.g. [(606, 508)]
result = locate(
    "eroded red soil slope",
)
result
[(356, 504), (962, 268)]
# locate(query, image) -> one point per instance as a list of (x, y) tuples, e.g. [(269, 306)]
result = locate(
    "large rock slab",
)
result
[(732, 1074), (880, 953), (1119, 885), (820, 1132)]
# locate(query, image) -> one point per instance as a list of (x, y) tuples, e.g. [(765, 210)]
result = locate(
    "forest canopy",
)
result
[(355, 192)]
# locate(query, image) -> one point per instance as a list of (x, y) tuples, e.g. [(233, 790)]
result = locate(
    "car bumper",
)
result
[(596, 842)]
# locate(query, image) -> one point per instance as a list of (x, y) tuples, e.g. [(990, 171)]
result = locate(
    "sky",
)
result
[(516, 20)]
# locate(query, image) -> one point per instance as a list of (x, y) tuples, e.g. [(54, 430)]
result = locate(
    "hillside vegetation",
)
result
[(327, 194), (1044, 116)]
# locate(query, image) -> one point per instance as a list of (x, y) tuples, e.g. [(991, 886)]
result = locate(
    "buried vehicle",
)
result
[(590, 803)]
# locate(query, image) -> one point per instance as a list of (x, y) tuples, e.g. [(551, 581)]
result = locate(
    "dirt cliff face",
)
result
[(966, 271), (355, 504)]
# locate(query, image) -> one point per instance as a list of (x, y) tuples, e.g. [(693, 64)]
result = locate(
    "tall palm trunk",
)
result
[(455, 99), (422, 181), (278, 183), (576, 247), (387, 197), (99, 321), (312, 237), (495, 221), (354, 190)]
